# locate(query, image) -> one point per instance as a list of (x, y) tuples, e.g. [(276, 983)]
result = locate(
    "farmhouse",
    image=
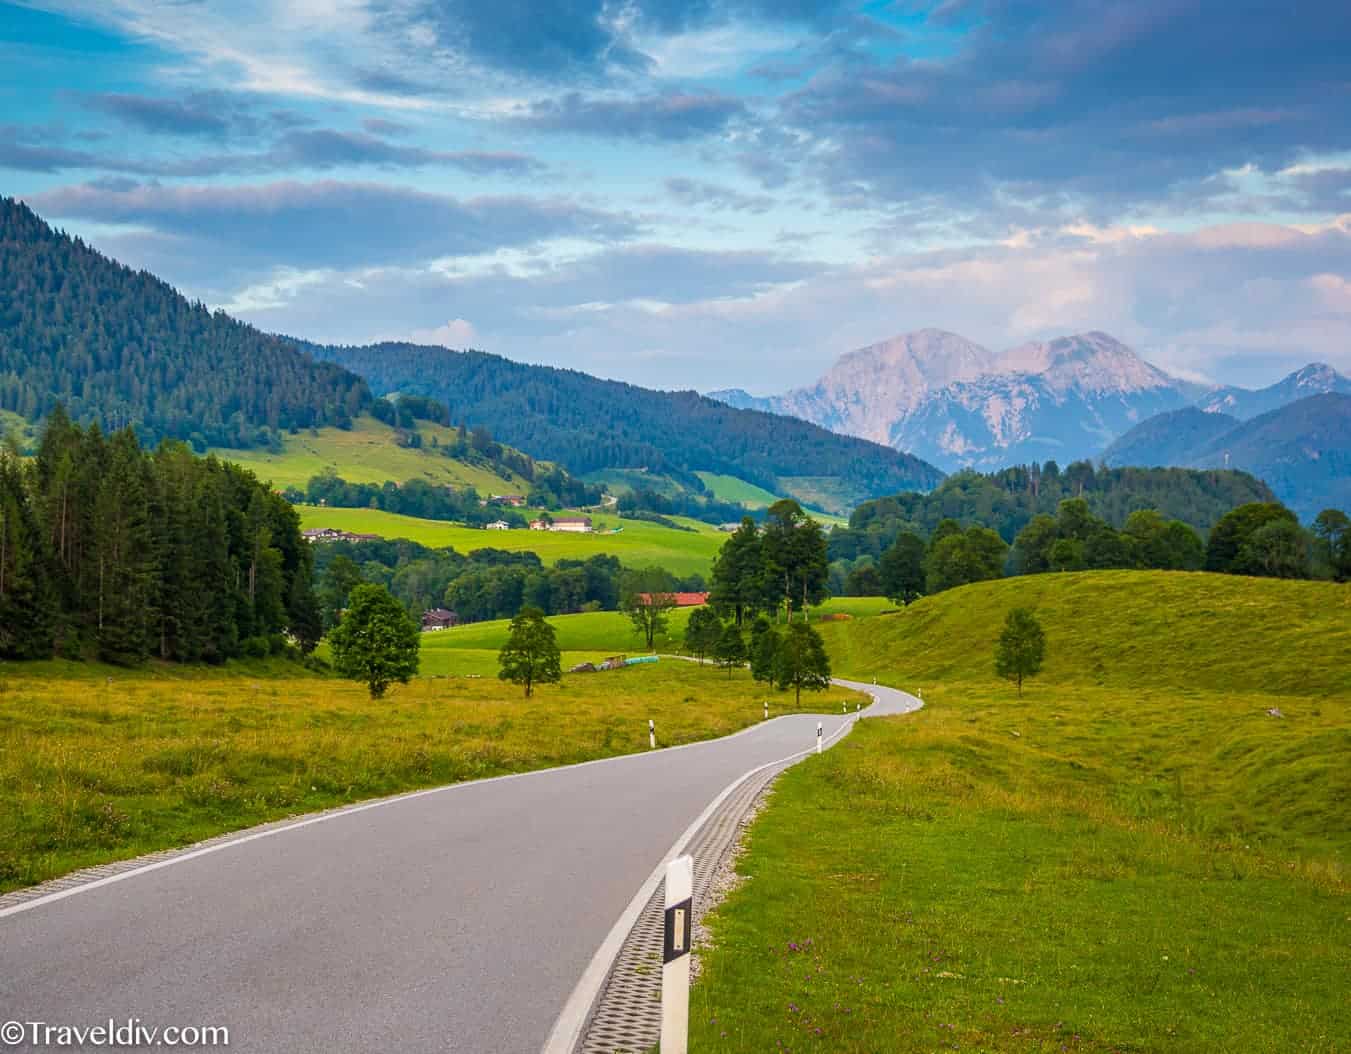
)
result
[(497, 525), (570, 524), (515, 501), (682, 600), (332, 534), (438, 619)]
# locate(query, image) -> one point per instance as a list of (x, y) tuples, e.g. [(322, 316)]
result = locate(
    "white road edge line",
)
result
[(567, 1029), (352, 810)]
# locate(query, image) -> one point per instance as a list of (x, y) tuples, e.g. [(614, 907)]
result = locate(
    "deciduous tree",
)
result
[(730, 651), (800, 661), (377, 641), (1021, 648), (530, 656), (702, 631)]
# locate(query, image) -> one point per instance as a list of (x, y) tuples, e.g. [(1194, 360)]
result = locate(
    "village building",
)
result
[(497, 525), (515, 501), (569, 524), (682, 600), (333, 534), (438, 619)]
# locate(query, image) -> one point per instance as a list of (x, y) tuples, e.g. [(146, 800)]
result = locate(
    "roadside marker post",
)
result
[(675, 959), (651, 734), (818, 737), (766, 709)]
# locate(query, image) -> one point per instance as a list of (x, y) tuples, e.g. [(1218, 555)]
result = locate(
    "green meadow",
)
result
[(637, 543), (732, 488), (368, 453), (1147, 852)]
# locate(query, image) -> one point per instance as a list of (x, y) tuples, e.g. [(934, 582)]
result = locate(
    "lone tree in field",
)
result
[(377, 640), (800, 661), (530, 656), (648, 601), (702, 631), (730, 651), (1021, 648)]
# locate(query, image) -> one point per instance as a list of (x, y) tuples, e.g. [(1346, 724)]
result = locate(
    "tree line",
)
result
[(1256, 538), (777, 566), (112, 552), (1007, 501), (480, 585), (123, 348)]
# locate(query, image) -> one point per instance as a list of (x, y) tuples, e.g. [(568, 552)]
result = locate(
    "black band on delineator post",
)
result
[(678, 929)]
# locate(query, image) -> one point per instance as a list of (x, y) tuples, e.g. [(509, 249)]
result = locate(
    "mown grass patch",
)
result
[(98, 766), (1135, 856)]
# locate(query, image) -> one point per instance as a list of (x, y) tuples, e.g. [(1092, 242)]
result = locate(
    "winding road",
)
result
[(454, 919)]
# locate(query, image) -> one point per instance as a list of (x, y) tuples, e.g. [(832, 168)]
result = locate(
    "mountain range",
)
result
[(959, 405), (1302, 450)]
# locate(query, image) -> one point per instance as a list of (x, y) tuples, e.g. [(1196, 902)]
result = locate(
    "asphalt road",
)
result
[(453, 920)]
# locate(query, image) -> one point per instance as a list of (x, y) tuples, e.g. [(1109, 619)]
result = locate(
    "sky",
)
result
[(709, 193)]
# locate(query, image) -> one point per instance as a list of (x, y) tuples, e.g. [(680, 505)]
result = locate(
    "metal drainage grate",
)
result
[(627, 1017)]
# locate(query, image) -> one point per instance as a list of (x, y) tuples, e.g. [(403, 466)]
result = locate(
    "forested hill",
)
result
[(124, 348), (588, 424), (1006, 501)]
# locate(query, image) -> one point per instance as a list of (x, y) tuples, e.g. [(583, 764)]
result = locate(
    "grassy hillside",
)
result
[(638, 544), (1137, 855), (731, 488), (368, 454), (1132, 630)]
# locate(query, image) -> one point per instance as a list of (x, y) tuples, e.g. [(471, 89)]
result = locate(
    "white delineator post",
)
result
[(818, 737), (675, 969), (651, 734), (766, 709)]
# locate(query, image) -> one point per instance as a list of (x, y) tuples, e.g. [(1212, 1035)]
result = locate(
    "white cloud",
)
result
[(458, 333)]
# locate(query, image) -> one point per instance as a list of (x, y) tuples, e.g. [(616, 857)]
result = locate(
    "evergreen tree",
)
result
[(377, 641), (1021, 648), (793, 564), (25, 600), (127, 575), (530, 656), (736, 586)]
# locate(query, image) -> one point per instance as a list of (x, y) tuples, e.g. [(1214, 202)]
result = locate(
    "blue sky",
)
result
[(709, 193)]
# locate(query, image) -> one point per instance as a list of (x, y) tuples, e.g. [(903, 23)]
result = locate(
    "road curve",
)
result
[(457, 919)]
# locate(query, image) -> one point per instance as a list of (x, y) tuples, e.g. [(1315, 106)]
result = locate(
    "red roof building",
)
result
[(682, 600)]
